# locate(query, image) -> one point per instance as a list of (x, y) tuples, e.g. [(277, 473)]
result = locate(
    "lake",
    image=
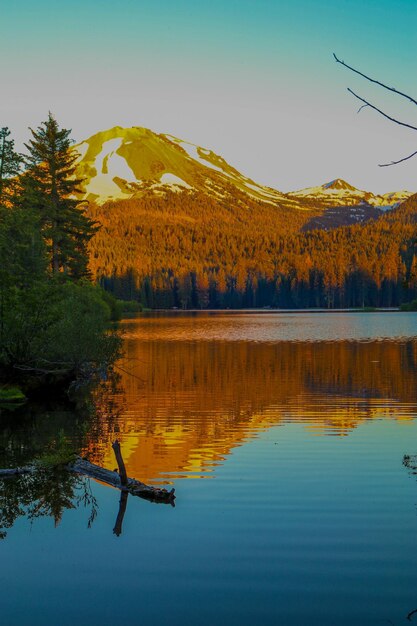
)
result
[(284, 436)]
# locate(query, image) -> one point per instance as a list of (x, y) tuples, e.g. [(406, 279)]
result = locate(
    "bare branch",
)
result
[(377, 82), (392, 119), (410, 156)]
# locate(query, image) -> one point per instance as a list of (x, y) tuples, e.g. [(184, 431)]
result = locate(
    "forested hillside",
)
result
[(188, 250)]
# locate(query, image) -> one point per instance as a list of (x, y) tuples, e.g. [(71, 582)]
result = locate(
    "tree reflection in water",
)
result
[(181, 408), (45, 493), (49, 434)]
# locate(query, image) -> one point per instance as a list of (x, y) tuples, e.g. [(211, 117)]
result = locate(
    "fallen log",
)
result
[(119, 480), (133, 486)]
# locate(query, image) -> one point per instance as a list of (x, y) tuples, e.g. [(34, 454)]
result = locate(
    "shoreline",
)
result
[(265, 311)]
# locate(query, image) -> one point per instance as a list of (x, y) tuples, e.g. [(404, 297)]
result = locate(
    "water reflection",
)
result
[(48, 434), (271, 327), (185, 404), (181, 407), (318, 529), (45, 493)]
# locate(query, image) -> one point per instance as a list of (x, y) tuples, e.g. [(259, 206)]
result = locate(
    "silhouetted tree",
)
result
[(51, 186)]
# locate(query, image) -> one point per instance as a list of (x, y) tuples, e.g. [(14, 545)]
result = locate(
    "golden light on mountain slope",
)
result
[(121, 162)]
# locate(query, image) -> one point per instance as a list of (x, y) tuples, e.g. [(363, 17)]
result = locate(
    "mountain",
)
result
[(123, 162), (340, 193), (182, 228)]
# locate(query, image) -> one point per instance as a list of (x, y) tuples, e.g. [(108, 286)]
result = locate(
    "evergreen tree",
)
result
[(51, 185), (10, 164)]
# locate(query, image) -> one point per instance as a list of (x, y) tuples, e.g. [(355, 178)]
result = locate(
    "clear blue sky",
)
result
[(253, 80)]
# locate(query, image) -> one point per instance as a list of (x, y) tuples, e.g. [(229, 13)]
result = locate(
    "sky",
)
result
[(253, 80)]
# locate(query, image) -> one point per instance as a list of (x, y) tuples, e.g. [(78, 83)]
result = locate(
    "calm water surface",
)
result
[(284, 436)]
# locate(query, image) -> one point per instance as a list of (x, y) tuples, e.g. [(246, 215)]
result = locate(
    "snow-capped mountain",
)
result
[(122, 162), (340, 193)]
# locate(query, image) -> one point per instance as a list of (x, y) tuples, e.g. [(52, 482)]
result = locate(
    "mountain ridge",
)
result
[(121, 163), (340, 193), (181, 228)]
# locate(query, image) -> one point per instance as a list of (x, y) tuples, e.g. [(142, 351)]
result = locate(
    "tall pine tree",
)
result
[(10, 164), (51, 185)]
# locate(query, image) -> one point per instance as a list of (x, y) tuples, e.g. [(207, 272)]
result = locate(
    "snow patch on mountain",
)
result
[(205, 157), (107, 149), (194, 151), (261, 190), (81, 150), (328, 190), (104, 187), (171, 179), (109, 165)]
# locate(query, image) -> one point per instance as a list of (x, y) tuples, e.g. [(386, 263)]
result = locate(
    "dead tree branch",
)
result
[(392, 119), (372, 106), (377, 82), (410, 156)]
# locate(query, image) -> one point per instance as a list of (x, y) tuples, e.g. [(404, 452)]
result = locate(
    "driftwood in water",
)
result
[(120, 463), (133, 486), (119, 480)]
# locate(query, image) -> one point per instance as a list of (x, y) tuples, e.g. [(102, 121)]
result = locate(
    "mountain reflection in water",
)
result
[(184, 405), (303, 421)]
